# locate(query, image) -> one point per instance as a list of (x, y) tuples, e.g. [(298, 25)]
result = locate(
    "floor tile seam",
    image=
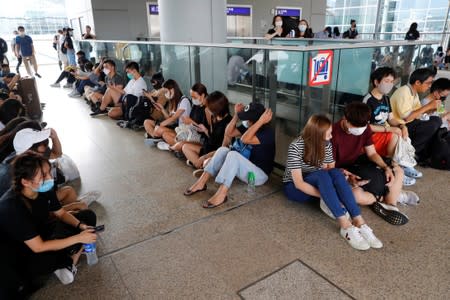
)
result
[(239, 293), (121, 278), (181, 227)]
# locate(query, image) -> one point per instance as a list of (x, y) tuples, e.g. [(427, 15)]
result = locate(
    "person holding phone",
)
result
[(32, 243), (157, 95)]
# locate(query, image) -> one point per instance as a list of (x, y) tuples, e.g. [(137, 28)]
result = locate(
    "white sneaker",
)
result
[(327, 211), (367, 234), (354, 238), (163, 146), (408, 197), (74, 94), (198, 173), (90, 197), (66, 275), (55, 85)]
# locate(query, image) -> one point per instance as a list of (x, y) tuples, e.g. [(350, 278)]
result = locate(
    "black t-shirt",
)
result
[(262, 155), (69, 42), (412, 35), (216, 135), (18, 223), (198, 115), (380, 109)]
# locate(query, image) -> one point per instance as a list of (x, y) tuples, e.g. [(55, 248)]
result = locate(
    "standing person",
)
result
[(352, 32), (85, 45), (13, 47), (58, 44), (310, 174), (304, 31), (88, 35), (412, 33), (278, 30), (406, 109), (68, 45), (25, 49)]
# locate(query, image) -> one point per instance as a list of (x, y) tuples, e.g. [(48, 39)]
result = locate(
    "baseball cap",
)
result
[(252, 112), (27, 137)]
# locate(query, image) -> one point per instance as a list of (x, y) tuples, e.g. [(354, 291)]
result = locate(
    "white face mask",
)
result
[(196, 102), (106, 71), (302, 28), (279, 23), (22, 33), (167, 94), (357, 130), (385, 88), (245, 124)]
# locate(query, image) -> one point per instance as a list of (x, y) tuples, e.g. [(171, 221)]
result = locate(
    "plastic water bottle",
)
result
[(251, 182), (292, 33), (91, 254), (441, 108)]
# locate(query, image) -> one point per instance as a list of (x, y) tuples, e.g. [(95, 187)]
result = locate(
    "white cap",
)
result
[(27, 137)]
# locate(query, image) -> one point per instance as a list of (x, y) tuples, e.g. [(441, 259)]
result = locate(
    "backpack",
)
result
[(3, 46), (440, 150), (136, 110)]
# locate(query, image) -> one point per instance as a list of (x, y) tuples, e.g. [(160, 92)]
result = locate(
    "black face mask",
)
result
[(443, 98), (156, 85)]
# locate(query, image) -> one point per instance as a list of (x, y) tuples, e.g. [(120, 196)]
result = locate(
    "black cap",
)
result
[(252, 112)]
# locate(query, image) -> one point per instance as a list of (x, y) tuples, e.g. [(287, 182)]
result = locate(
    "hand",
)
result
[(279, 31), (395, 130), (389, 176), (87, 236), (53, 134), (201, 128), (433, 105), (238, 107), (85, 227), (158, 106), (266, 117), (200, 162), (405, 133)]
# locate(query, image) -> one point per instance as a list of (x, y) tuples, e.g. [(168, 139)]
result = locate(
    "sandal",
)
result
[(190, 193), (411, 172), (206, 204), (408, 181)]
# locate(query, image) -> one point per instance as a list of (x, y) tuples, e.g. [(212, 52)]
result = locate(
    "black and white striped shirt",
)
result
[(295, 159)]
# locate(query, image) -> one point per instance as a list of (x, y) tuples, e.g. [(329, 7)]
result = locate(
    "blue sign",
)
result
[(289, 12), (238, 11), (154, 9)]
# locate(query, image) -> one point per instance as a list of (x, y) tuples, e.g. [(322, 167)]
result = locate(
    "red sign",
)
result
[(320, 68)]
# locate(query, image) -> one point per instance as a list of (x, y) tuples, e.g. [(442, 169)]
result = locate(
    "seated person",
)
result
[(196, 154), (407, 110), (199, 119), (438, 92), (37, 245), (354, 151), (179, 106), (135, 87), (8, 78), (70, 71), (311, 174), (158, 95), (386, 130), (84, 78), (11, 109), (226, 164), (95, 96)]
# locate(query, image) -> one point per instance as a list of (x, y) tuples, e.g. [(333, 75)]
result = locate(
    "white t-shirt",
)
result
[(135, 87), (186, 105)]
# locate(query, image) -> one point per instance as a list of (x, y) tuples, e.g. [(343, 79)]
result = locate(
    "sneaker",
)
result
[(354, 238), (90, 197), (327, 211), (367, 234), (122, 124), (163, 146), (408, 197), (55, 85), (198, 173), (179, 155), (99, 112), (66, 275), (411, 172), (408, 181), (152, 141), (68, 86), (390, 213), (38, 75), (189, 163), (75, 94)]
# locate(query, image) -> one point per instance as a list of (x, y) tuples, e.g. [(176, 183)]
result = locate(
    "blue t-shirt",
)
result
[(25, 45)]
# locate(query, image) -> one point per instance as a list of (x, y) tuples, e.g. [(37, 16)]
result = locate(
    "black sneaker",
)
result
[(38, 75), (122, 124), (390, 213), (99, 112)]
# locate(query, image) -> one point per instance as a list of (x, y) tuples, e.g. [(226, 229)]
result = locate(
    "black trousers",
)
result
[(65, 74), (421, 134)]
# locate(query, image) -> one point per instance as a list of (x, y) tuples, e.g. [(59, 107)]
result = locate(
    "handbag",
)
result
[(187, 133), (243, 149), (404, 153)]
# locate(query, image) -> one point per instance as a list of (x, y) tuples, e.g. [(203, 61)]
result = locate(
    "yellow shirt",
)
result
[(403, 102)]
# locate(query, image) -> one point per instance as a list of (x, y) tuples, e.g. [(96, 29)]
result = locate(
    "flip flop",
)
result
[(206, 204), (190, 193)]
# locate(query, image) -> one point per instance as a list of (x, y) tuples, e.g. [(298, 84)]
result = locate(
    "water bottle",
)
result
[(251, 182), (91, 254), (292, 33), (441, 108)]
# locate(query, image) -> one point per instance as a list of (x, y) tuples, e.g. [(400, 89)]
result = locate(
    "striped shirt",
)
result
[(295, 159)]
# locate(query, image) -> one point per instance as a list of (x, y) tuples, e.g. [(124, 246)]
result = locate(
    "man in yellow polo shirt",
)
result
[(406, 109)]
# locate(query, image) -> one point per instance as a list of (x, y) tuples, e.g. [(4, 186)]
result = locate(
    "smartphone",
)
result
[(99, 228)]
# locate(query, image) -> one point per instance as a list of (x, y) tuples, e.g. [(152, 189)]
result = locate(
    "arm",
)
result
[(37, 245), (56, 145), (117, 88), (17, 50), (376, 158), (172, 118), (69, 219), (231, 131), (302, 185), (249, 137), (418, 112)]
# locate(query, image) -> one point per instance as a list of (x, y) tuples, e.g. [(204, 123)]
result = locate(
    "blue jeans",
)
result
[(334, 190), (71, 57), (82, 84), (226, 164)]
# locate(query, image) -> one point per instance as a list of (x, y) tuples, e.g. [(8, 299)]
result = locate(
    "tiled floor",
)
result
[(159, 244)]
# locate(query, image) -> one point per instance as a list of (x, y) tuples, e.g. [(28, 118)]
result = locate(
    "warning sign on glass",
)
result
[(320, 67)]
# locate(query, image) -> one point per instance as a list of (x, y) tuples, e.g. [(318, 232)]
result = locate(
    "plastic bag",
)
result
[(67, 167), (404, 153), (187, 133)]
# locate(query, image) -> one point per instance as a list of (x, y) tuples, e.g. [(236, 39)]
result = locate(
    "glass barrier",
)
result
[(278, 77)]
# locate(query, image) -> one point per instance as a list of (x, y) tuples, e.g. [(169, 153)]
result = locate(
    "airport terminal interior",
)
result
[(248, 196)]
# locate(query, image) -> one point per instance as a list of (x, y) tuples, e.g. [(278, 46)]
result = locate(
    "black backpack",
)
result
[(136, 110), (3, 46), (440, 150)]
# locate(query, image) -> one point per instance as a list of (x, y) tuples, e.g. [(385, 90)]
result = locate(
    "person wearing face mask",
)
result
[(439, 91), (386, 130), (278, 30), (310, 174), (157, 95), (69, 73), (304, 31), (163, 133), (352, 32), (375, 182), (226, 164), (24, 48), (36, 244)]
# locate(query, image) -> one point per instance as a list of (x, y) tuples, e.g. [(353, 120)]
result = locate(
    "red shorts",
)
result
[(381, 141)]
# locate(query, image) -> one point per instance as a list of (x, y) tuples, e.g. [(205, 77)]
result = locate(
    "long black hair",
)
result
[(172, 84), (26, 166)]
